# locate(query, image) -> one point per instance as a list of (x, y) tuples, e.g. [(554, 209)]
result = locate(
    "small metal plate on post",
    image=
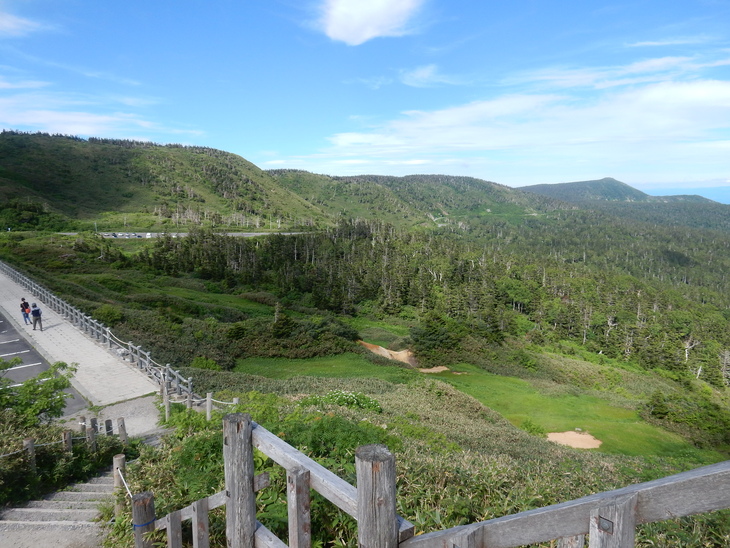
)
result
[(605, 525)]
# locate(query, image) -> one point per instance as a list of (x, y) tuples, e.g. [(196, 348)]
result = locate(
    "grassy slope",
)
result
[(553, 407)]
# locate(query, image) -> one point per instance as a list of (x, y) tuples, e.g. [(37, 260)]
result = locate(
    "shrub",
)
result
[(201, 362), (351, 400), (108, 315)]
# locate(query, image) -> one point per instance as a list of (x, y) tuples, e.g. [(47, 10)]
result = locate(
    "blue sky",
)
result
[(518, 93)]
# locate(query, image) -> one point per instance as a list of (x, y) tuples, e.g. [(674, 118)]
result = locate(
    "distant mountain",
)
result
[(604, 190), (719, 194), (621, 200)]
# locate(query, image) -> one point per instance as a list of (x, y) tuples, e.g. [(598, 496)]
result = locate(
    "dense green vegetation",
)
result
[(457, 461), (26, 411), (549, 316)]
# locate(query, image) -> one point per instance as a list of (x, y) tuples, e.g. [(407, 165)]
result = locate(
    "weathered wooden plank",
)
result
[(201, 537), (260, 481), (217, 500), (468, 538), (329, 485), (405, 529), (696, 491), (266, 539), (298, 507), (174, 530)]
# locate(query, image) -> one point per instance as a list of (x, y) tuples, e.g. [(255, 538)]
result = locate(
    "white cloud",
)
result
[(375, 82), (657, 129), (75, 115), (644, 71), (670, 42), (13, 26), (356, 21), (426, 76), (21, 84)]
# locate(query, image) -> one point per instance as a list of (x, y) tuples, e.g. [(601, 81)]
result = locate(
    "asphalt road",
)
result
[(14, 344)]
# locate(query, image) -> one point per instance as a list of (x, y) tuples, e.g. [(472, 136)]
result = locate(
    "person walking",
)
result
[(36, 313), (25, 310)]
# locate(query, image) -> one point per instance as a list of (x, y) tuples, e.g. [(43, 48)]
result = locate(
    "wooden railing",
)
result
[(89, 432), (162, 374), (608, 518)]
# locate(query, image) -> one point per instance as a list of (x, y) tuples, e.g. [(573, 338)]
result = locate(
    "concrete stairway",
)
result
[(67, 517)]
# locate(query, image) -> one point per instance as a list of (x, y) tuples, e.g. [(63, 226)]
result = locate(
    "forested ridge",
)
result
[(664, 307)]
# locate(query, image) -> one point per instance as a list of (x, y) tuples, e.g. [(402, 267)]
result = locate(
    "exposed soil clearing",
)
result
[(579, 440), (437, 369), (405, 356)]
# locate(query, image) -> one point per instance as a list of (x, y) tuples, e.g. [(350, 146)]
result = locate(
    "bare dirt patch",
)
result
[(437, 369), (579, 440), (405, 356)]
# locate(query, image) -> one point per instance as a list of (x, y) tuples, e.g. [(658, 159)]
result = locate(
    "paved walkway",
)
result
[(102, 377)]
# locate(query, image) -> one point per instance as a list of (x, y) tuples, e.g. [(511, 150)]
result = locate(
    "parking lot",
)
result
[(13, 344)]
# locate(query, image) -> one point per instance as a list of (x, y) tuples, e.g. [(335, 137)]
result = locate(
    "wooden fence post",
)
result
[(94, 425), (298, 505), (166, 404), (122, 431), (108, 427), (208, 405), (91, 439), (613, 526), (29, 447), (377, 520), (143, 518), (68, 442), (239, 472), (120, 468)]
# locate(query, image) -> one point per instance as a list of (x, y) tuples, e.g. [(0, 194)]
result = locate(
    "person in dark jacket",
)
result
[(36, 314), (25, 310)]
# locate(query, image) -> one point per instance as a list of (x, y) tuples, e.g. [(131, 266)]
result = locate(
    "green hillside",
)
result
[(143, 186), (426, 200)]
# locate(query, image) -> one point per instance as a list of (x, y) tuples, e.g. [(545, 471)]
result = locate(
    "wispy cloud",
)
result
[(354, 22), (653, 126), (644, 71), (683, 41), (78, 115), (376, 82), (21, 84), (12, 26), (427, 76)]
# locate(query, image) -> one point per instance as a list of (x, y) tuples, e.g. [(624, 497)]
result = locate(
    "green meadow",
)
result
[(620, 429)]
